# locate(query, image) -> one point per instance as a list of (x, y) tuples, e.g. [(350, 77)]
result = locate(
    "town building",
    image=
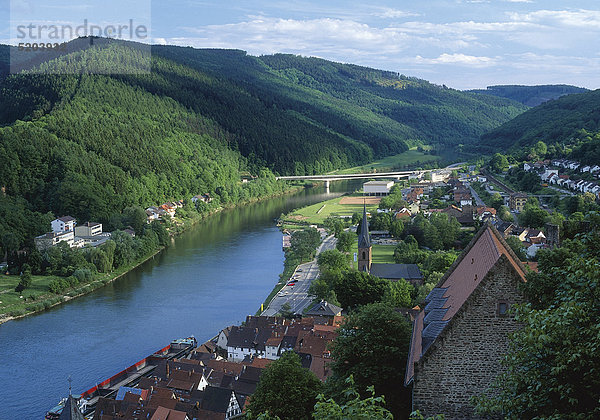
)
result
[(461, 336), (377, 188), (63, 224), (88, 229), (517, 201)]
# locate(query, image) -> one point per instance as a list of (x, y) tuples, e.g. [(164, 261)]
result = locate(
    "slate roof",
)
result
[(396, 271), (445, 300), (364, 241), (324, 308), (66, 219), (71, 411), (216, 399)]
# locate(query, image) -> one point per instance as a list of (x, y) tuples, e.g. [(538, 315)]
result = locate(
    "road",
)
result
[(297, 296), (478, 200)]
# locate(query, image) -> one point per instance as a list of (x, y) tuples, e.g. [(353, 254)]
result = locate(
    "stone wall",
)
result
[(465, 358)]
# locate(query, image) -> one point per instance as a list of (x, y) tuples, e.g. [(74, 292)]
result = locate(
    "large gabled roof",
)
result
[(453, 290)]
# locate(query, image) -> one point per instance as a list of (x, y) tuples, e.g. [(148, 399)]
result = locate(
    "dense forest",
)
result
[(530, 95), (88, 133), (558, 122)]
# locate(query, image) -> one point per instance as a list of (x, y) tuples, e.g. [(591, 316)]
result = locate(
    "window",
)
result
[(364, 256), (502, 308)]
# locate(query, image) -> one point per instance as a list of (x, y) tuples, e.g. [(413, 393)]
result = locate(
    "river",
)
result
[(212, 276)]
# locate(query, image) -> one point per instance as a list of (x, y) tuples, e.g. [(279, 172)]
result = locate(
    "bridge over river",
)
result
[(327, 178)]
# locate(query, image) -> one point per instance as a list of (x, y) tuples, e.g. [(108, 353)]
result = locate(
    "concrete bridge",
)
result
[(328, 178)]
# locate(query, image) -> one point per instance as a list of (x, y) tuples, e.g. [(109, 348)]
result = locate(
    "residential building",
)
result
[(461, 336), (88, 229), (517, 201), (51, 239), (63, 224)]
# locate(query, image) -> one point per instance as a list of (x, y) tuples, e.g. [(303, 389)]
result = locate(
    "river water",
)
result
[(211, 277)]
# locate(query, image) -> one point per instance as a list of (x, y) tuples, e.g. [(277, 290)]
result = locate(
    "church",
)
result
[(392, 272)]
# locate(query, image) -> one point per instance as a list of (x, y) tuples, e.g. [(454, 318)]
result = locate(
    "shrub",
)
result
[(17, 312)]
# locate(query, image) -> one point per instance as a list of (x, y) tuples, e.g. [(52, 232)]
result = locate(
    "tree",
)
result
[(334, 225), (26, 279), (286, 311), (372, 346), (332, 259), (516, 245), (533, 217), (304, 242), (496, 201), (285, 389), (359, 288), (397, 228), (370, 408), (398, 294), (136, 218), (498, 163), (345, 240)]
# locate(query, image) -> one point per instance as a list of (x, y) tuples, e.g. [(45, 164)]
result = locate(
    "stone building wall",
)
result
[(465, 358)]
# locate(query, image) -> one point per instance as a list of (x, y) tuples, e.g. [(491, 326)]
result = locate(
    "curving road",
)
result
[(297, 296)]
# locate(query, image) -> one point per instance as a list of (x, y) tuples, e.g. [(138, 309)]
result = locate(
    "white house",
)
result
[(585, 169), (527, 167), (223, 337), (549, 173), (245, 341), (63, 224)]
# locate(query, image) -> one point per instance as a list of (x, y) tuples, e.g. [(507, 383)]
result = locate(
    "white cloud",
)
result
[(388, 13), (460, 59), (582, 19)]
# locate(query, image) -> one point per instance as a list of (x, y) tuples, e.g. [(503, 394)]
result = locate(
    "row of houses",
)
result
[(170, 208), (574, 165), (548, 171)]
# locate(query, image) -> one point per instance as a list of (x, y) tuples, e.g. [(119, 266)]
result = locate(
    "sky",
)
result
[(463, 44)]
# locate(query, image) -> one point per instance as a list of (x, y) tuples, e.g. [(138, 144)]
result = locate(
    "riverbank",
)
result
[(46, 301), (39, 298)]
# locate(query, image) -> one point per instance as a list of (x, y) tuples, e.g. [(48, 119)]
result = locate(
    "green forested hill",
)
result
[(530, 95), (555, 122), (90, 145)]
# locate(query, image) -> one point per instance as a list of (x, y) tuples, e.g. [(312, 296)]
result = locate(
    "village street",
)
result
[(297, 296)]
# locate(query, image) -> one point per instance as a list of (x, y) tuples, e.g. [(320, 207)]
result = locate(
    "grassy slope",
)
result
[(317, 213), (409, 158)]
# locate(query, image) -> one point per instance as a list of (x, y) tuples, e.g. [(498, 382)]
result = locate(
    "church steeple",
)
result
[(364, 241), (364, 244)]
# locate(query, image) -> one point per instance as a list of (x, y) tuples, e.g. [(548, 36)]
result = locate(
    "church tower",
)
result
[(364, 244)]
